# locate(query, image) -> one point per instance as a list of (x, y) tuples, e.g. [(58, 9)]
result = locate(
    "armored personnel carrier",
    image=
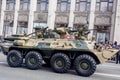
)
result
[(61, 54)]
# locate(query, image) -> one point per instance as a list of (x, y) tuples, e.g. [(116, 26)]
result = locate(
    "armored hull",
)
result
[(61, 54)]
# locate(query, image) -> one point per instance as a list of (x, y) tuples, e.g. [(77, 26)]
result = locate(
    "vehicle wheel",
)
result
[(60, 63), (14, 58), (33, 60), (85, 65)]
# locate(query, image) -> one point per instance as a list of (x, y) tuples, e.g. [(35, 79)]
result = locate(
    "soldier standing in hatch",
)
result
[(83, 31)]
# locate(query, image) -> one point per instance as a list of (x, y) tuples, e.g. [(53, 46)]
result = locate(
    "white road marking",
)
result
[(110, 75), (2, 62), (102, 74), (110, 66)]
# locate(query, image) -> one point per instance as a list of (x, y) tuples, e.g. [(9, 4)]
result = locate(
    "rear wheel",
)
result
[(14, 58), (85, 65), (60, 62), (33, 60)]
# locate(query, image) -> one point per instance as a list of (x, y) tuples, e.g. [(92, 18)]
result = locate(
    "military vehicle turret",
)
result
[(61, 54)]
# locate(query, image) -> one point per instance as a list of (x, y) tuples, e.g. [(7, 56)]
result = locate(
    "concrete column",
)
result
[(71, 16), (16, 16), (117, 23), (2, 15), (92, 17), (113, 20), (51, 14), (33, 5)]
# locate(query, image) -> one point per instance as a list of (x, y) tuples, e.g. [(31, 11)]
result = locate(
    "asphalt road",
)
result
[(107, 71)]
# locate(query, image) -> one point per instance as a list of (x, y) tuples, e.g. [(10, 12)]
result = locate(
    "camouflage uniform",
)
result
[(83, 31)]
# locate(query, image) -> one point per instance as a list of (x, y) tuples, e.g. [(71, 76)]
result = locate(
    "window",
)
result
[(22, 27), (83, 5), (97, 6), (42, 5), (110, 6), (104, 5), (39, 25), (10, 4), (63, 5), (24, 4), (0, 4), (8, 24)]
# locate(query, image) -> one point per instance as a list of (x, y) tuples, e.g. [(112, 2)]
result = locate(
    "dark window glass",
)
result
[(98, 1), (104, 5), (24, 4), (77, 7), (89, 0), (0, 4), (63, 5), (58, 6), (68, 7), (8, 24), (22, 28), (83, 5), (110, 6), (10, 4), (82, 0), (77, 0), (64, 0), (110, 0), (42, 5), (88, 7), (97, 7)]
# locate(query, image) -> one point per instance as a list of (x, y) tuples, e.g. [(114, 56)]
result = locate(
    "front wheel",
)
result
[(14, 58), (85, 65)]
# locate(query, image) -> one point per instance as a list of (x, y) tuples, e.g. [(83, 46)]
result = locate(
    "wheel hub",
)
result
[(13, 58), (32, 60), (59, 63), (84, 65)]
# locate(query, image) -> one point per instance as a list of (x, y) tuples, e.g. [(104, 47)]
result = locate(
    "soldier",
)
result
[(38, 33), (118, 54), (83, 32)]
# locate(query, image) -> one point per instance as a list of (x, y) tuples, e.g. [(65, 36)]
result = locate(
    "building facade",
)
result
[(21, 16)]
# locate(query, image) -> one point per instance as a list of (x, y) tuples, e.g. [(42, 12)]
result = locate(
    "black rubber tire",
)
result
[(37, 60), (85, 59), (17, 56), (64, 58)]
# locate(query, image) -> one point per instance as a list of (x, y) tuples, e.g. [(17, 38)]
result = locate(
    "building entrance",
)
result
[(22, 27), (61, 25), (102, 33)]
